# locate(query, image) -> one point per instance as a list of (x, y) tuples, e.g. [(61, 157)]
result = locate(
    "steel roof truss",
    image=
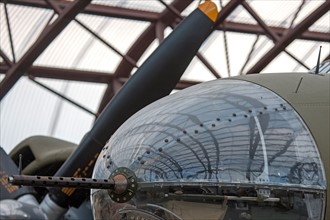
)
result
[(287, 39), (45, 38)]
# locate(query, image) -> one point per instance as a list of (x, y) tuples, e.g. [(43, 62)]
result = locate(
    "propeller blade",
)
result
[(155, 79)]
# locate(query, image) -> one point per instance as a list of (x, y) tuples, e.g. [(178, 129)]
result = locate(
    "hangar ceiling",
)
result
[(82, 52)]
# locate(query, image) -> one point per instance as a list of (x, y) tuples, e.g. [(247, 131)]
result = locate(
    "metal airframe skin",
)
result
[(309, 95)]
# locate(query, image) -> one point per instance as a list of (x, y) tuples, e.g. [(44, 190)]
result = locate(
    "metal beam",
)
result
[(269, 32), (5, 58), (10, 33), (125, 57), (182, 84), (291, 35), (95, 9), (45, 38), (82, 75), (142, 43), (226, 11), (9, 64), (64, 74), (135, 52), (279, 31), (199, 55), (63, 96), (141, 15), (167, 17), (138, 48)]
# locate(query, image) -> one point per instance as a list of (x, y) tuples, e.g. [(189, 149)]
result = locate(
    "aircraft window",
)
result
[(210, 145)]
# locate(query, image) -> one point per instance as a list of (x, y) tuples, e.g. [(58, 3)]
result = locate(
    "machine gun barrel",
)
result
[(121, 185), (54, 181)]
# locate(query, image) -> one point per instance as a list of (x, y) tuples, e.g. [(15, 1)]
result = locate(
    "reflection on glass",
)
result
[(324, 68), (212, 141)]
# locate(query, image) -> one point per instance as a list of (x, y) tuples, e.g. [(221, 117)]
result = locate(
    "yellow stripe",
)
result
[(71, 191)]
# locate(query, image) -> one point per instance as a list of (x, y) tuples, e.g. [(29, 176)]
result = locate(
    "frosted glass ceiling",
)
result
[(29, 109)]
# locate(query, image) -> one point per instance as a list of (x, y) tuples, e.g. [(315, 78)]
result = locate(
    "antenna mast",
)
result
[(318, 62)]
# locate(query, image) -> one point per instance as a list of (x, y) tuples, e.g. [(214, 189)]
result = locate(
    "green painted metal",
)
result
[(309, 95)]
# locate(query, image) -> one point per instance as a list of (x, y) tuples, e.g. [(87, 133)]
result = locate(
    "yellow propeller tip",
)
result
[(209, 9)]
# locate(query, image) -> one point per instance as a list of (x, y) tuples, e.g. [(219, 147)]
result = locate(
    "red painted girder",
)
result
[(95, 9), (45, 38), (291, 35)]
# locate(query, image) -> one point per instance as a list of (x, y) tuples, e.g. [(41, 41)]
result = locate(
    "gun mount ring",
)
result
[(125, 185)]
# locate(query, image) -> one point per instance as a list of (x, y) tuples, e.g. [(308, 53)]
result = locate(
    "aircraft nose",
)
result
[(211, 143)]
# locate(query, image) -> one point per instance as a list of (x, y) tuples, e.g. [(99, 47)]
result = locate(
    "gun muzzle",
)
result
[(121, 185)]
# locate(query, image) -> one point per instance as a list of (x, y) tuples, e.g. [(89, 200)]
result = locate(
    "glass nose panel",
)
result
[(213, 143), (221, 131)]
